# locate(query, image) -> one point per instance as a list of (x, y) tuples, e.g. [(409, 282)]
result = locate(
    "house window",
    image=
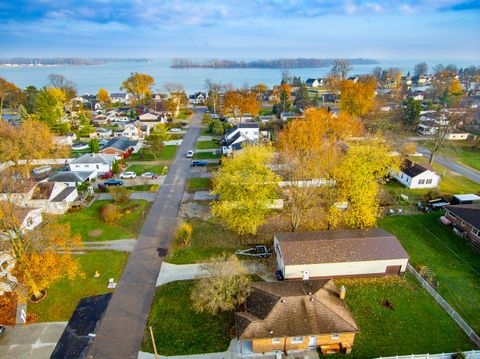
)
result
[(297, 340), (475, 231), (451, 214), (421, 181), (429, 181), (463, 223), (276, 341), (335, 336)]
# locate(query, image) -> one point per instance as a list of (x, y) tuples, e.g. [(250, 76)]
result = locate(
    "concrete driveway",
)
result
[(33, 341)]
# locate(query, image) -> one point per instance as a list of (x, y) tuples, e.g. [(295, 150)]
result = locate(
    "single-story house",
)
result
[(415, 175), (98, 162), (73, 178), (465, 199), (295, 315), (242, 133), (466, 221), (198, 98), (428, 127), (120, 146), (26, 219), (343, 253), (101, 132), (314, 82)]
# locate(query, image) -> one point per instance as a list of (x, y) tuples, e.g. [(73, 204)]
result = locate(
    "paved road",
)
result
[(33, 341), (121, 330), (452, 165)]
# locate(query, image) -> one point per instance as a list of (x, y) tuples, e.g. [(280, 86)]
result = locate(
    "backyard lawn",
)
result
[(157, 169), (209, 238), (205, 156), (168, 153), (451, 258), (414, 323), (64, 295), (462, 152), (179, 330), (88, 223), (205, 145), (199, 184)]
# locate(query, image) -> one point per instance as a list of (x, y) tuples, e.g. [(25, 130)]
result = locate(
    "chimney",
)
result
[(343, 291)]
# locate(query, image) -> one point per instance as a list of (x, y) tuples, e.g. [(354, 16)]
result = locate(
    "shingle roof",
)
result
[(120, 143), (93, 158), (413, 169), (242, 125), (63, 194), (67, 176), (339, 246), (294, 308), (470, 213)]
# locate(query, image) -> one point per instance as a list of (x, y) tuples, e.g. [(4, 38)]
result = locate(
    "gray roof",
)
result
[(63, 194), (354, 245), (470, 213), (67, 176), (120, 143), (89, 158), (412, 169)]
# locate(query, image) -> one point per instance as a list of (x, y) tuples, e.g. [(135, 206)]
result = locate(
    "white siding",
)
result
[(415, 182)]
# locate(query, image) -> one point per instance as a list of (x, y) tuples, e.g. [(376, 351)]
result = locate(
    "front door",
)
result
[(393, 270), (312, 343)]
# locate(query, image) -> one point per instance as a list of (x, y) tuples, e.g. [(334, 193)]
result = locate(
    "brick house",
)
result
[(295, 315), (466, 220), (120, 146)]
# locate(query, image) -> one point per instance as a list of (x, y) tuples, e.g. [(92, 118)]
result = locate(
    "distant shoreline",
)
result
[(62, 61)]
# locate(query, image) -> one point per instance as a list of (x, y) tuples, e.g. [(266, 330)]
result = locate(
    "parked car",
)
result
[(113, 182), (175, 129), (107, 175), (128, 174), (150, 175), (279, 275), (190, 153), (199, 163)]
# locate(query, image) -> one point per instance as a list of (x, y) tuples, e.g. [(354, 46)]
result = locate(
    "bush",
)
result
[(120, 194), (184, 234), (110, 213)]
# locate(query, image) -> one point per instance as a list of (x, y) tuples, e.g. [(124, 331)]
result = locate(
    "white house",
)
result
[(457, 136), (343, 253), (413, 175), (101, 132), (97, 162), (66, 140), (73, 179), (241, 133), (129, 131), (26, 218)]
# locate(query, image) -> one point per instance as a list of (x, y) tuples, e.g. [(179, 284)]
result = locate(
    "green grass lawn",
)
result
[(451, 258), (417, 324), (157, 169), (64, 295), (144, 188), (88, 219), (462, 152), (205, 145), (205, 156), (179, 330), (167, 154), (199, 184), (209, 238), (184, 114)]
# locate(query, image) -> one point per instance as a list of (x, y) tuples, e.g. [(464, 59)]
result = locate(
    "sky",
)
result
[(394, 29)]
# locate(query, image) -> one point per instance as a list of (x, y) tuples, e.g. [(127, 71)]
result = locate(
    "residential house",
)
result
[(465, 199), (295, 315), (66, 140), (130, 131), (314, 82), (242, 133), (342, 253), (147, 121), (466, 221), (414, 175), (98, 162), (418, 95), (120, 97), (73, 179), (428, 128), (120, 147), (457, 136), (101, 132), (198, 98), (25, 218)]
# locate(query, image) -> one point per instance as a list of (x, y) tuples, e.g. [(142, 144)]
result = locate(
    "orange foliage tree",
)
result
[(239, 102), (357, 99)]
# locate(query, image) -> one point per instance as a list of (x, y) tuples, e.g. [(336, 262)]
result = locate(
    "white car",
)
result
[(149, 175), (190, 153), (128, 175), (175, 129)]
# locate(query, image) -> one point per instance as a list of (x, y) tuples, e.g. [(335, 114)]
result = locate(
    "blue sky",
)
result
[(411, 29)]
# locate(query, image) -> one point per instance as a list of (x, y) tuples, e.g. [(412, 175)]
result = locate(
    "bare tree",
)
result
[(341, 68), (214, 91), (447, 122)]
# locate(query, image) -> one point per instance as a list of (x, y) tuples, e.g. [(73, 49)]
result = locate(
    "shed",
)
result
[(343, 253)]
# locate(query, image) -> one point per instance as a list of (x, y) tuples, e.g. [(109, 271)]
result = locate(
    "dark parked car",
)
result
[(279, 275), (107, 175), (199, 163), (111, 182), (2, 330)]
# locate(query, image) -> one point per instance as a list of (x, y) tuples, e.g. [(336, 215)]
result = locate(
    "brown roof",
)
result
[(354, 245), (294, 308), (43, 190)]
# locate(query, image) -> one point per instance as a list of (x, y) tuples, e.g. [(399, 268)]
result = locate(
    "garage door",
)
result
[(393, 270)]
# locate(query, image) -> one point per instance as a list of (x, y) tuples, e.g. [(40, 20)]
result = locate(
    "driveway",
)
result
[(33, 341), (121, 331), (147, 196), (122, 245), (452, 165)]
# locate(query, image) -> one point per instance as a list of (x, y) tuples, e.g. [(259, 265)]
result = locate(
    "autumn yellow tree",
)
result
[(177, 97), (139, 85), (454, 92), (357, 99), (104, 97), (239, 102), (260, 90), (8, 90), (246, 188), (357, 177)]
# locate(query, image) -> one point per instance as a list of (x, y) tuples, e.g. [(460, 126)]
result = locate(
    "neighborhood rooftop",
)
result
[(413, 169), (120, 143), (470, 213), (339, 246), (67, 176), (94, 158), (294, 308)]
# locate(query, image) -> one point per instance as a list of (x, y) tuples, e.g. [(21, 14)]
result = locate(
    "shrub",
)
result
[(115, 167), (184, 234), (120, 194), (110, 213)]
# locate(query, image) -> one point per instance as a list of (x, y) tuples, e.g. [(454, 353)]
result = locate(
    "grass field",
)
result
[(184, 114), (157, 169), (209, 238), (199, 184), (179, 330), (167, 154), (205, 156), (416, 324), (462, 152), (64, 295), (205, 145), (451, 258), (87, 221)]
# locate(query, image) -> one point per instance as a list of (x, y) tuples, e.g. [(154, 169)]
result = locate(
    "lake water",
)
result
[(111, 75)]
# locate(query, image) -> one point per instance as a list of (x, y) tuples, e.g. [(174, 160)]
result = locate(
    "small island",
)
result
[(63, 61)]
